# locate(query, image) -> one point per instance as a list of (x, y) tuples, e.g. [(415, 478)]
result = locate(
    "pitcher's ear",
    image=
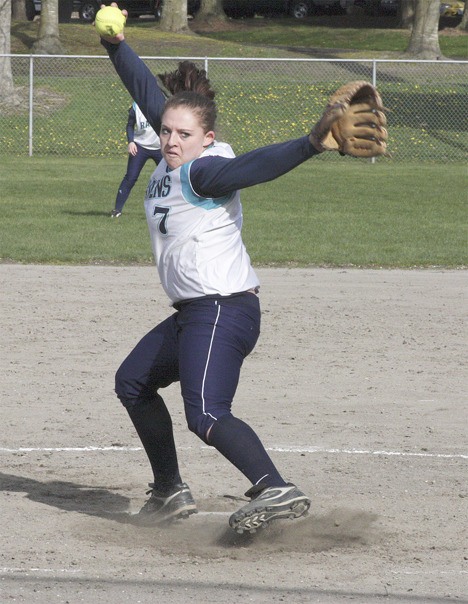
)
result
[(209, 138)]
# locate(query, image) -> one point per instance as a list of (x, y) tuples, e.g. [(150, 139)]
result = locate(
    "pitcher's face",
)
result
[(182, 136)]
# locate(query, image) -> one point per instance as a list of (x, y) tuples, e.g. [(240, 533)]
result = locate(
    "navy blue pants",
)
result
[(202, 345), (135, 165)]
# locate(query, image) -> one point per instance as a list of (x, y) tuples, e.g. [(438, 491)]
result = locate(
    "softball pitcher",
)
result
[(194, 215)]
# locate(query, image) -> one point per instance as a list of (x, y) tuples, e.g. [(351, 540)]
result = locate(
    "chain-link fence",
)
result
[(77, 106)]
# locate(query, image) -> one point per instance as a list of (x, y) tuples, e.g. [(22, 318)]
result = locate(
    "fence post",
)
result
[(31, 87), (374, 82)]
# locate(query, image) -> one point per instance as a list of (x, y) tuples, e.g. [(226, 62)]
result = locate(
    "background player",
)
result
[(143, 144)]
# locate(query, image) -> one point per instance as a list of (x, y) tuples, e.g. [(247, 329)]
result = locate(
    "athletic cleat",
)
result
[(267, 504), (160, 509), (116, 214)]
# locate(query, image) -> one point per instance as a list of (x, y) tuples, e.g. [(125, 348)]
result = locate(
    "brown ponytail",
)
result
[(187, 77)]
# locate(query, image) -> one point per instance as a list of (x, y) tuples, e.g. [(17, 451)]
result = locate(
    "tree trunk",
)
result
[(463, 25), (406, 14), (424, 41), (18, 10), (174, 17), (48, 40), (211, 11), (7, 87)]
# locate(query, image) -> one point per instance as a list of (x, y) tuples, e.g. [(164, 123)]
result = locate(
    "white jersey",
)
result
[(197, 242), (143, 133)]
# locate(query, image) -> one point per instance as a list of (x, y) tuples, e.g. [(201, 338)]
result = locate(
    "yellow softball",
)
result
[(109, 21)]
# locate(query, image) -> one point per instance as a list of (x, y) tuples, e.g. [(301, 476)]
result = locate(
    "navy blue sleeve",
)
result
[(214, 176), (138, 80), (131, 125)]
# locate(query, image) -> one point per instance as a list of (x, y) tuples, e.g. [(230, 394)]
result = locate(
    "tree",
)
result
[(174, 17), (463, 25), (18, 10), (424, 41), (210, 11), (48, 40), (8, 93), (406, 14)]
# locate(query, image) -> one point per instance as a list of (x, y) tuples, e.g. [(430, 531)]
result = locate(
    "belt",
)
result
[(253, 290)]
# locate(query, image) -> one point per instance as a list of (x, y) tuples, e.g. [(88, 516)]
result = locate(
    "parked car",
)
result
[(66, 8), (238, 9), (87, 9), (308, 7), (452, 8), (373, 7), (32, 9), (246, 9)]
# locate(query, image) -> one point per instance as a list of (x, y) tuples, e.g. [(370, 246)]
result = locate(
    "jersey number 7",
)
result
[(163, 220)]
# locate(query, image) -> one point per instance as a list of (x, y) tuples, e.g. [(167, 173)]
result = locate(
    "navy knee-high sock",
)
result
[(153, 424), (240, 445)]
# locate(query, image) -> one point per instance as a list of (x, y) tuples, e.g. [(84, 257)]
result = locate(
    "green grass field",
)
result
[(349, 213), (258, 103), (259, 110), (55, 209)]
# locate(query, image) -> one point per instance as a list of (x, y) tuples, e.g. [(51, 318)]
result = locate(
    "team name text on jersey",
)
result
[(159, 188)]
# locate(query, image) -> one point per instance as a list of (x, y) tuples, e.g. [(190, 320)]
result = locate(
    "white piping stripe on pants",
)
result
[(208, 362)]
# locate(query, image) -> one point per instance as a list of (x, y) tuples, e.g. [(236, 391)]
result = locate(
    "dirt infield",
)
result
[(357, 388)]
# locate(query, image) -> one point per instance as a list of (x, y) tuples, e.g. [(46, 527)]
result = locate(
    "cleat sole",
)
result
[(261, 517)]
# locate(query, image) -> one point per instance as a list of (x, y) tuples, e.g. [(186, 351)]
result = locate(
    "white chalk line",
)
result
[(40, 570), (25, 571), (276, 449), (429, 572)]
